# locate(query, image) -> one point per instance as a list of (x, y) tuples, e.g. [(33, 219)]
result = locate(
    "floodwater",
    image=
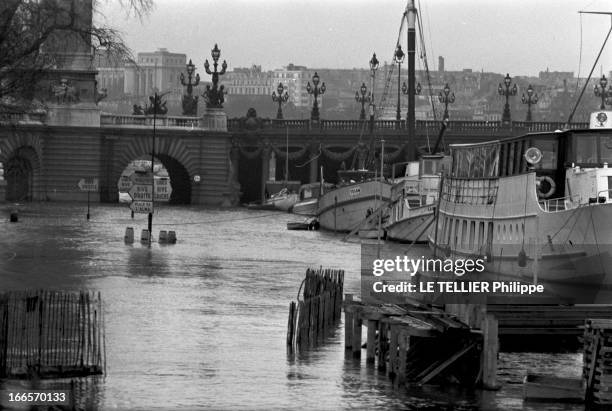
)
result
[(202, 324)]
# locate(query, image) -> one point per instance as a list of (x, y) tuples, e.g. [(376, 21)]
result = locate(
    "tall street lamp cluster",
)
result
[(373, 67), (214, 95), (604, 93), (280, 98), (507, 92), (362, 98), (530, 99), (190, 103), (315, 90), (446, 97), (398, 57)]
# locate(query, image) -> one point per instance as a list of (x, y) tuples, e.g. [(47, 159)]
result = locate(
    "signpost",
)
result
[(142, 207), (89, 185), (163, 189), (141, 192)]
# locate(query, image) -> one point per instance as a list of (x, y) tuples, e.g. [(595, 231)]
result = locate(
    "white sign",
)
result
[(142, 207), (140, 192), (124, 184), (355, 191), (163, 189), (142, 178), (88, 184)]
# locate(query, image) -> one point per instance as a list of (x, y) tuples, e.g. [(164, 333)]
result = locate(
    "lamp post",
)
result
[(530, 99), (405, 91), (398, 58), (507, 92), (316, 91), (190, 103), (446, 97), (214, 96), (281, 98), (363, 98), (373, 67), (601, 91)]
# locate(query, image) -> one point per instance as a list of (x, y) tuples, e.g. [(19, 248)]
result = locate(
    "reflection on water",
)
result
[(201, 324)]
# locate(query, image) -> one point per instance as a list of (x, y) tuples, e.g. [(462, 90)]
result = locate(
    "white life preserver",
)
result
[(550, 191)]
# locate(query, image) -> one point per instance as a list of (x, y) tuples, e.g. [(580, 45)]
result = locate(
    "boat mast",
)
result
[(410, 119), (287, 156)]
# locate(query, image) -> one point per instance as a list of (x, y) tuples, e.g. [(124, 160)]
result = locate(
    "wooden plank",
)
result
[(490, 350), (441, 367)]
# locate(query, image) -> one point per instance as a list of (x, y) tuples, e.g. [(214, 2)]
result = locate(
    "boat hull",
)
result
[(414, 228), (285, 202), (568, 251), (345, 208), (306, 207)]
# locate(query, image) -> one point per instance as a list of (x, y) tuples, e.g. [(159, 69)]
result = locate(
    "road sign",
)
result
[(88, 184), (142, 207), (142, 178), (163, 189), (124, 183), (141, 192)]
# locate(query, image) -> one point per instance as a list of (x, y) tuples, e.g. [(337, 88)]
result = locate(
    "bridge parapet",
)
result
[(473, 127)]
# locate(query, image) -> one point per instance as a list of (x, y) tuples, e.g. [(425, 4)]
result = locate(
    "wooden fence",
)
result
[(320, 308), (51, 334)]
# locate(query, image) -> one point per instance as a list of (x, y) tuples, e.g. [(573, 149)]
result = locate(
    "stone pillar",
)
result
[(233, 193), (272, 167), (265, 170)]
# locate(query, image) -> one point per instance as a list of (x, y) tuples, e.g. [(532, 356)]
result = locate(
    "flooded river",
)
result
[(201, 324)]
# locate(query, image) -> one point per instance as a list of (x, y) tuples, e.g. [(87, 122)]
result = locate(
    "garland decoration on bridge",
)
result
[(393, 155), (337, 156), (251, 155), (293, 155)]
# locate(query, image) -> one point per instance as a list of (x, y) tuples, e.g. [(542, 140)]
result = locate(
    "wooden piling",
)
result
[(348, 322), (371, 341), (490, 349), (356, 343)]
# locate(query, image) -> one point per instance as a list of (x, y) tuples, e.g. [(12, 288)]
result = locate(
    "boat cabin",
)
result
[(420, 183), (569, 164)]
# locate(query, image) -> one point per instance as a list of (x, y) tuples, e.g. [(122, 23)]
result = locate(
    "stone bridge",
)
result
[(44, 162)]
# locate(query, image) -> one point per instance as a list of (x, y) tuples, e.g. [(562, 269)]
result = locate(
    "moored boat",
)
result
[(537, 207), (413, 200), (309, 197), (356, 197)]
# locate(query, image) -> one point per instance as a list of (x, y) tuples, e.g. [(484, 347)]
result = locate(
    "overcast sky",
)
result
[(521, 37)]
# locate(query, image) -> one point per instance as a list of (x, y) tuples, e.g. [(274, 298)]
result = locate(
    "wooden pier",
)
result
[(417, 344), (318, 310), (51, 334)]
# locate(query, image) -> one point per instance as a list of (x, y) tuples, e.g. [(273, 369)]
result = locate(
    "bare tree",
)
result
[(35, 35)]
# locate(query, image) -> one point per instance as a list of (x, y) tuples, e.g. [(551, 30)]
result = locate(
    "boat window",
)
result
[(585, 149), (549, 149), (476, 161), (606, 149)]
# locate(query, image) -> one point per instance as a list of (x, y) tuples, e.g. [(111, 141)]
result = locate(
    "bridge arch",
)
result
[(172, 153), (21, 156)]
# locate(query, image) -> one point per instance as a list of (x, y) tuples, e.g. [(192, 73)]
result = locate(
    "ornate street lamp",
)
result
[(601, 91), (417, 91), (363, 98), (281, 98), (190, 103), (316, 91), (446, 97), (398, 57), (373, 67), (214, 96), (507, 92), (529, 100)]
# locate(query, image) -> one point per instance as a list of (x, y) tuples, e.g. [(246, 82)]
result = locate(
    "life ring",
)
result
[(550, 191)]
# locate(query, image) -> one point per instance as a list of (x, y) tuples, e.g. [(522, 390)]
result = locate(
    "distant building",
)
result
[(294, 78), (155, 71), (248, 81)]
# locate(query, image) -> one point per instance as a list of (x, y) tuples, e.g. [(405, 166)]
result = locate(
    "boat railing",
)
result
[(559, 204), (480, 191)]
